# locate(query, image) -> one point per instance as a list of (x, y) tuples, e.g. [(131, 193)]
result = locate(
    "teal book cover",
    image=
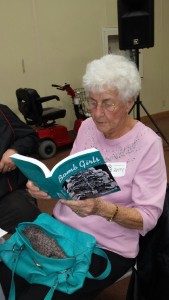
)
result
[(79, 176)]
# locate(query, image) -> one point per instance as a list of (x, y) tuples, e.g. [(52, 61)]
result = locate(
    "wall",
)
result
[(51, 41), (155, 93)]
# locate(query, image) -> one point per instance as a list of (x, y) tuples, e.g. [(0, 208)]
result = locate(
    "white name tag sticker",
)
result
[(117, 169), (2, 232)]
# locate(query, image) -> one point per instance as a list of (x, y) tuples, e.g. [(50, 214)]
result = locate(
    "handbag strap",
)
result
[(5, 247), (106, 272), (12, 287), (50, 293), (17, 253)]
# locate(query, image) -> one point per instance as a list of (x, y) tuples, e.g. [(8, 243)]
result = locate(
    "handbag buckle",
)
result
[(15, 248), (36, 263)]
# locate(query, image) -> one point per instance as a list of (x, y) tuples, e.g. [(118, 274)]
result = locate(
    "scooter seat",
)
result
[(52, 114), (30, 105)]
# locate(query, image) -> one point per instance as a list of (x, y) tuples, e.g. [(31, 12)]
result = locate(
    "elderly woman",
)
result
[(112, 84)]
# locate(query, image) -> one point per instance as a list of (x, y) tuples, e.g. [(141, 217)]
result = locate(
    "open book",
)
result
[(79, 176)]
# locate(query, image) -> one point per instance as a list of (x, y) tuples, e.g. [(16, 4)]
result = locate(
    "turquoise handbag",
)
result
[(64, 274)]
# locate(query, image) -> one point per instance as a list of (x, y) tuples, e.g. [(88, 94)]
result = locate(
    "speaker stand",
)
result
[(138, 103)]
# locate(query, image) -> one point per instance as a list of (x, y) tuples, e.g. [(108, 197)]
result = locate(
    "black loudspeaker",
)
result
[(135, 24)]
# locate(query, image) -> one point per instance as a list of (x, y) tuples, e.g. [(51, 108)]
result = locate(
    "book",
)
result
[(79, 176)]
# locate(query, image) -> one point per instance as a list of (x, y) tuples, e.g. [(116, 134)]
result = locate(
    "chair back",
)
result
[(29, 105), (150, 278)]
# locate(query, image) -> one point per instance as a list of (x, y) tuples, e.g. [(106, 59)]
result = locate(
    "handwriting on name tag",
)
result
[(117, 169)]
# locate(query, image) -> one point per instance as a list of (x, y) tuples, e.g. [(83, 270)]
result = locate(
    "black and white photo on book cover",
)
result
[(94, 182)]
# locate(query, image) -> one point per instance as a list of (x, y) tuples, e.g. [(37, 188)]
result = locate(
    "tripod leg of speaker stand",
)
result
[(158, 129), (138, 103)]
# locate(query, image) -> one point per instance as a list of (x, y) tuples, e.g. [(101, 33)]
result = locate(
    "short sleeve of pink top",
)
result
[(143, 185)]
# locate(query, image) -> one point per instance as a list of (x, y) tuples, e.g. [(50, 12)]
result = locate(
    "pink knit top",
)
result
[(142, 182)]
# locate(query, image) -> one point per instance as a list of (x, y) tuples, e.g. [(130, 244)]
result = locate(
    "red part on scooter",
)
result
[(43, 120)]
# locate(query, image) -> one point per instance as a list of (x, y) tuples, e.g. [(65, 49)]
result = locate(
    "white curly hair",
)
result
[(113, 72)]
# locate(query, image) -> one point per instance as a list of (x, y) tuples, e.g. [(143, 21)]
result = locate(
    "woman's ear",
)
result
[(130, 103)]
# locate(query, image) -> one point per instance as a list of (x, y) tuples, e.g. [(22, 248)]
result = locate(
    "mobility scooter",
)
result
[(43, 120)]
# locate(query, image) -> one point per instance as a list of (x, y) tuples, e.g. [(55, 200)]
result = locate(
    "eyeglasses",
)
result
[(106, 105)]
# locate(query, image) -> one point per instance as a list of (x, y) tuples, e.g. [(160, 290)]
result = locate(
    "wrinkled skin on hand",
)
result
[(6, 163), (92, 206), (84, 208), (35, 191)]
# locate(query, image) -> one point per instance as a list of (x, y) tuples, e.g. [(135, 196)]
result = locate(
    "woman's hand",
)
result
[(126, 217), (6, 163), (35, 191), (86, 207)]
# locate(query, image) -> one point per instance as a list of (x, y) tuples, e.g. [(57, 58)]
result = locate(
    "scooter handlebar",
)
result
[(59, 87), (66, 87)]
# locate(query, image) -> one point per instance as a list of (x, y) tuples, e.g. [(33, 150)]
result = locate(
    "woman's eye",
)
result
[(108, 104)]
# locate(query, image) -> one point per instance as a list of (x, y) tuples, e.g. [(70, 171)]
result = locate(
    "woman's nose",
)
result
[(99, 110)]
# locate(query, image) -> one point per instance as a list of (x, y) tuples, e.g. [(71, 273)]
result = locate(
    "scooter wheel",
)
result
[(47, 149)]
